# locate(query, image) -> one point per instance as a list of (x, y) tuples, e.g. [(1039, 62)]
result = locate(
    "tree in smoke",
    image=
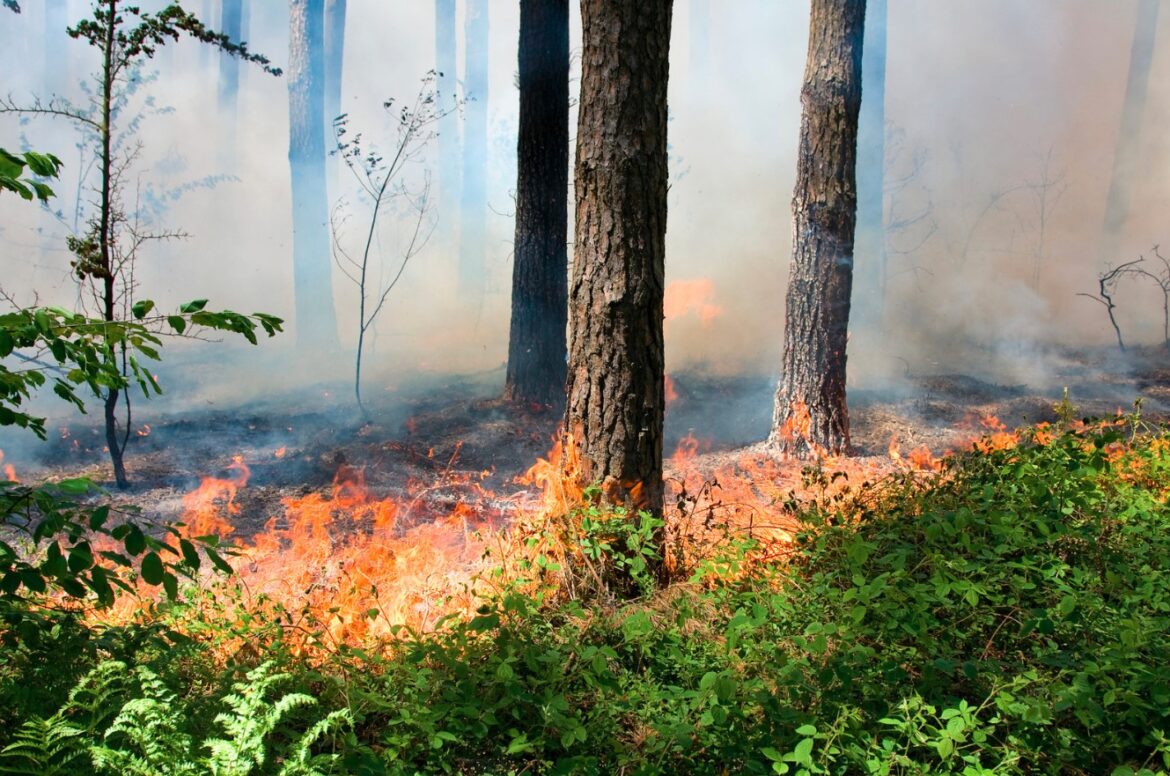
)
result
[(448, 128), (334, 62), (616, 378), (474, 184), (810, 413), (231, 15), (125, 37), (381, 178), (1125, 160), (316, 320), (536, 345)]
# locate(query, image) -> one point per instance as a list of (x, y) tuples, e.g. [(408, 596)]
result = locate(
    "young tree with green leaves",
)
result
[(126, 38), (48, 531)]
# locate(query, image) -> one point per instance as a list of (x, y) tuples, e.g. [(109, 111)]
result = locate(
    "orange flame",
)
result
[(9, 469), (686, 296), (671, 391)]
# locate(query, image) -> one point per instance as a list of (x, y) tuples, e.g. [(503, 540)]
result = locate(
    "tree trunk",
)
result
[(810, 415), (871, 164), (616, 390), (474, 211), (1125, 158), (536, 346), (312, 264), (334, 61), (448, 127), (230, 24)]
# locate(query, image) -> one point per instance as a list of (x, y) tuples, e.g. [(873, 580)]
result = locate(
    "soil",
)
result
[(447, 440)]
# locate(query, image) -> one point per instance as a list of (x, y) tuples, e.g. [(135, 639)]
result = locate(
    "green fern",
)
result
[(45, 747), (252, 720), (146, 738)]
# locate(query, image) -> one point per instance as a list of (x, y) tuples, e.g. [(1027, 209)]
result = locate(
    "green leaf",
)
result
[(193, 306), (142, 308), (190, 554), (177, 322), (135, 541), (217, 561), (152, 569), (98, 517)]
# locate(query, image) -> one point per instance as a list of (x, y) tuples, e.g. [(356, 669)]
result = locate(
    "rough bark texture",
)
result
[(810, 412), (536, 345), (1125, 159), (316, 322), (615, 382), (474, 191), (872, 262), (448, 127)]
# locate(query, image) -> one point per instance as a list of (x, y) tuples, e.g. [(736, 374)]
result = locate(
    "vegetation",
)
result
[(1006, 615)]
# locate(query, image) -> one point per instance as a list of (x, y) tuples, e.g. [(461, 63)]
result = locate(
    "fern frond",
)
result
[(45, 747), (302, 761)]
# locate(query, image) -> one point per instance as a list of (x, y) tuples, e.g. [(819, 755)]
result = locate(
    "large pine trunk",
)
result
[(615, 381), (810, 415), (316, 321), (536, 345)]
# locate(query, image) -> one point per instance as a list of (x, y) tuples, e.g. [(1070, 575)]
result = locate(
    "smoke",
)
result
[(980, 95)]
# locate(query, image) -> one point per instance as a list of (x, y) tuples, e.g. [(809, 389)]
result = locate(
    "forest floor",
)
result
[(444, 440)]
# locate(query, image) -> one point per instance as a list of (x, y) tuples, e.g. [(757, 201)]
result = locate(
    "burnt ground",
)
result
[(442, 435)]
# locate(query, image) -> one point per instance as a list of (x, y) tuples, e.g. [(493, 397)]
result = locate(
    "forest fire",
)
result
[(8, 469)]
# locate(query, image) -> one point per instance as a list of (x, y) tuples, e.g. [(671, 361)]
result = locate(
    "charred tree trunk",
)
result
[(1125, 160), (871, 164), (312, 264), (448, 128), (810, 414), (616, 377), (474, 195), (536, 345)]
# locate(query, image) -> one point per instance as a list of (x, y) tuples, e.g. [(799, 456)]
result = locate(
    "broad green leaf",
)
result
[(152, 569)]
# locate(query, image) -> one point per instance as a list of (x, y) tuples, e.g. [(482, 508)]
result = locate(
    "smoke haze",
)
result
[(989, 103)]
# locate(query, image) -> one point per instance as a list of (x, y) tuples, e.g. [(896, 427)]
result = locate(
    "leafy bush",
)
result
[(1008, 616)]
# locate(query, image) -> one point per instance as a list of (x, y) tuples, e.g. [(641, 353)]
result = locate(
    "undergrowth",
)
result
[(1007, 615)]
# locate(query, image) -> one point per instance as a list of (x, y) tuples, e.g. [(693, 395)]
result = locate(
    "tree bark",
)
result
[(1125, 158), (312, 264), (536, 346), (616, 376), (448, 127), (810, 414), (474, 194)]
